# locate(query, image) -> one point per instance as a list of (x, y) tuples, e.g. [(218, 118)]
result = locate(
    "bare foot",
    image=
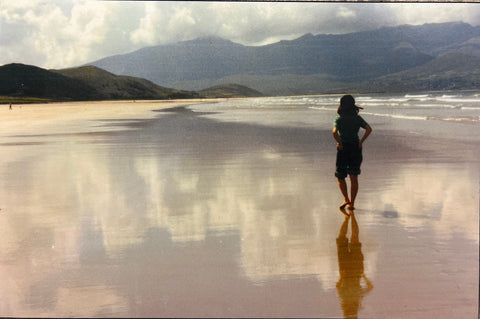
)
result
[(351, 207), (344, 205)]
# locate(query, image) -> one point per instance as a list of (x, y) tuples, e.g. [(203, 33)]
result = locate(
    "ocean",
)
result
[(449, 115)]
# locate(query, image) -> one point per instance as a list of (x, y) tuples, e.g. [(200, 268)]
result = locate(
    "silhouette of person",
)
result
[(350, 264), (10, 106), (349, 147)]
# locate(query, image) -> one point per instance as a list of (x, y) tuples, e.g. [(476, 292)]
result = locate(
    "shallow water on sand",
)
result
[(188, 215)]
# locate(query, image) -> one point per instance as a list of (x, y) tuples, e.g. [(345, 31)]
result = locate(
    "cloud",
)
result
[(43, 33), (421, 13), (64, 33), (173, 22)]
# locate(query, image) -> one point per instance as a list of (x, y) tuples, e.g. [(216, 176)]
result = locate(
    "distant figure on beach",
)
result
[(10, 106), (349, 147), (350, 265)]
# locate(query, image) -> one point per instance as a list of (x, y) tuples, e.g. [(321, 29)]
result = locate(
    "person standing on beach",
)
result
[(349, 147)]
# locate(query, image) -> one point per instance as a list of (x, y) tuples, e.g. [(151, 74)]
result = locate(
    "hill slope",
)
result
[(229, 90), (85, 83), (30, 81), (447, 72), (111, 86)]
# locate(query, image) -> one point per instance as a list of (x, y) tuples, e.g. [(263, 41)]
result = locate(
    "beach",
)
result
[(229, 208)]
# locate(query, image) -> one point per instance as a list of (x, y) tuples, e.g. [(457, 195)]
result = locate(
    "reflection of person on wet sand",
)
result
[(350, 263), (349, 147)]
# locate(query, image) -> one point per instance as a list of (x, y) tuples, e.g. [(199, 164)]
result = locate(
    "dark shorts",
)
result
[(349, 160), (350, 257)]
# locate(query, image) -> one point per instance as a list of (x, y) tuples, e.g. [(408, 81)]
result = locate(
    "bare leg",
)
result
[(343, 188), (354, 238), (344, 228), (353, 190)]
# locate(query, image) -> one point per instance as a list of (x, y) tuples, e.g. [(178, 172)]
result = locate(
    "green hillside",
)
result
[(111, 86), (21, 83), (229, 90)]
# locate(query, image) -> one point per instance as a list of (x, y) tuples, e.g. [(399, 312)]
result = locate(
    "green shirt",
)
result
[(348, 125)]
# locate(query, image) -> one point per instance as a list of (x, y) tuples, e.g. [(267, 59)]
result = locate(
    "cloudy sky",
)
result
[(66, 33)]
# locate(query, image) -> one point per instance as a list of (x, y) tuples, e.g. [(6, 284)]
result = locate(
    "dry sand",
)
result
[(30, 117), (184, 215)]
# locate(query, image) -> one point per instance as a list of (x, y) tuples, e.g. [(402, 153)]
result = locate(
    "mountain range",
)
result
[(21, 83), (362, 61), (408, 58)]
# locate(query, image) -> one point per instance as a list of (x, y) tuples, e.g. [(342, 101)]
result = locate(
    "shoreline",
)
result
[(60, 117), (30, 117)]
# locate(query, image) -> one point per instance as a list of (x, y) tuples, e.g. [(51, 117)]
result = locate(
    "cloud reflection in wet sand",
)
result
[(145, 222)]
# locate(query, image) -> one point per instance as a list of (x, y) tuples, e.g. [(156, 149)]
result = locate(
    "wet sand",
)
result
[(179, 214)]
